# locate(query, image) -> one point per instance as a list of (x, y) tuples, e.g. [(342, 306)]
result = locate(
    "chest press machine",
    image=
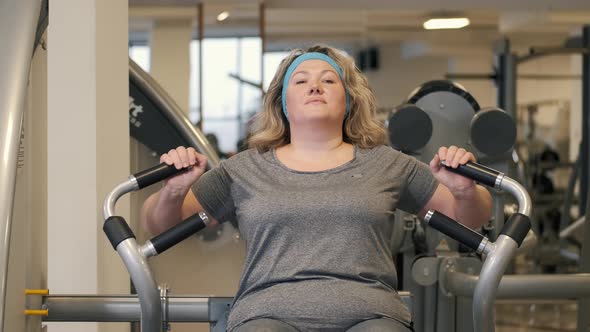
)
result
[(155, 309)]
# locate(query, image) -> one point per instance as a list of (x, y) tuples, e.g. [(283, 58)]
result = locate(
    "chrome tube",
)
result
[(137, 265), (18, 25), (173, 112), (487, 285), (517, 190), (108, 207), (148, 249), (527, 286), (524, 206), (488, 247), (146, 286), (121, 308), (574, 227)]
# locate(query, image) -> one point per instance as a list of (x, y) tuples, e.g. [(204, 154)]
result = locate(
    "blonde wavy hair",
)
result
[(271, 128)]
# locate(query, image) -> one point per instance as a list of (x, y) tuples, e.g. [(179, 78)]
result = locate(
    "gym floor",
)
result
[(526, 316)]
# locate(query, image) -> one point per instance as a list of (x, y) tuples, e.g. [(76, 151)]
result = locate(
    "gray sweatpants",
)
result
[(371, 325)]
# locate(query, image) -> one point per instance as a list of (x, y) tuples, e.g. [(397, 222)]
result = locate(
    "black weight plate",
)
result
[(493, 131), (410, 128)]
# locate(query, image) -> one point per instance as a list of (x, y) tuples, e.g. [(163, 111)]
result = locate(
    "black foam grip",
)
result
[(156, 174), (178, 233), (455, 230), (517, 227), (117, 230), (477, 172)]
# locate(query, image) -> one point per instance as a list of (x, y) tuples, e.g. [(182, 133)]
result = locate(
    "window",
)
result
[(272, 61), (141, 55), (231, 73)]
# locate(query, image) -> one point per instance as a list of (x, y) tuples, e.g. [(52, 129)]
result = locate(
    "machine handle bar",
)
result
[(156, 174), (454, 230), (477, 172)]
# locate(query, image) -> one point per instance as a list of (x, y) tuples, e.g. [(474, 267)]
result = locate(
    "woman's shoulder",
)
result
[(244, 158), (381, 151), (384, 155)]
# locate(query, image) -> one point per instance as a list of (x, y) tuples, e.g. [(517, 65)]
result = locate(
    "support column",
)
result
[(170, 58), (584, 304), (506, 62), (88, 146)]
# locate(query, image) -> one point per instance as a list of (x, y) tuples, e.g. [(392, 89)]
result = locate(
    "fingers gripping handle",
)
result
[(156, 174), (476, 172), (454, 230)]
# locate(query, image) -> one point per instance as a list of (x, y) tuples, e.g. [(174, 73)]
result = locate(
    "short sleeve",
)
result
[(213, 191), (420, 186)]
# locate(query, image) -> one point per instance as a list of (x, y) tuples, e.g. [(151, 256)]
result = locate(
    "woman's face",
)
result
[(315, 93)]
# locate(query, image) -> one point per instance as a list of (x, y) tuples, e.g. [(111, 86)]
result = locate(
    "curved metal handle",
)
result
[(515, 233), (123, 240)]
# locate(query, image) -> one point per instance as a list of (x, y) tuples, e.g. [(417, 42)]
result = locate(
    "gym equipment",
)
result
[(449, 106), (22, 33), (492, 131), (443, 113), (453, 274), (457, 119), (505, 78), (157, 121), (410, 128), (152, 300), (498, 254), (448, 279), (19, 21), (134, 256), (443, 277)]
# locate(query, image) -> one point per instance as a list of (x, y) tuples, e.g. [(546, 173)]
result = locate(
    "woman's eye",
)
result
[(299, 82), (329, 81)]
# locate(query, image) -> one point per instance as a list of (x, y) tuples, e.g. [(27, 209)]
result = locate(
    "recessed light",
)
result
[(446, 23), (222, 16)]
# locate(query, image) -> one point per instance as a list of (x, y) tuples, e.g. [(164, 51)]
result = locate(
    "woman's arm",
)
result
[(175, 201), (456, 196)]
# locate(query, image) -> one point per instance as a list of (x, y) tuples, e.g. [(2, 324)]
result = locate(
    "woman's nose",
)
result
[(315, 88)]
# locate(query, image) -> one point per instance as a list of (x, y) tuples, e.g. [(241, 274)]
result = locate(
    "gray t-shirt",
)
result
[(317, 243)]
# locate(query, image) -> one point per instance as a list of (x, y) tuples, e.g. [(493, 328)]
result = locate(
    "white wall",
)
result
[(539, 90), (483, 90), (396, 78)]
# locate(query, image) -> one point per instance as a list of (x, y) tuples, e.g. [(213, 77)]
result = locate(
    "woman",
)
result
[(313, 199)]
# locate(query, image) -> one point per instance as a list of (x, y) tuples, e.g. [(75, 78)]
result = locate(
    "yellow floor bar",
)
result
[(36, 312), (36, 291)]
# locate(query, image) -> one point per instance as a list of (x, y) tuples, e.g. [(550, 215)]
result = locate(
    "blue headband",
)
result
[(297, 62)]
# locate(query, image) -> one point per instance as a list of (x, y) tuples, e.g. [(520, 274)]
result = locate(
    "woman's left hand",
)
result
[(453, 156)]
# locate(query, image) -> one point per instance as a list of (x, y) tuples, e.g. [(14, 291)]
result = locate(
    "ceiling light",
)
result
[(222, 16), (446, 23)]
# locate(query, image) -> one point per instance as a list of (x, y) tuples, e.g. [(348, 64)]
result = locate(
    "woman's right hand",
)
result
[(182, 157)]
